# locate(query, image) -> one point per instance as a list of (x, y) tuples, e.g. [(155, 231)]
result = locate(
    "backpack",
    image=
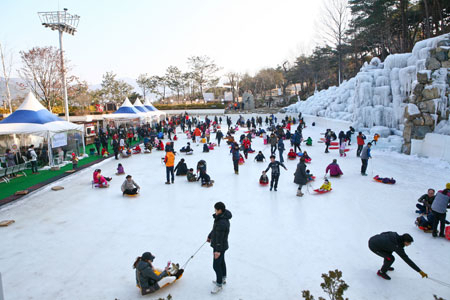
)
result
[(29, 157)]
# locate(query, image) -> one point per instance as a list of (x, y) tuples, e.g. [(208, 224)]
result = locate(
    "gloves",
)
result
[(423, 274)]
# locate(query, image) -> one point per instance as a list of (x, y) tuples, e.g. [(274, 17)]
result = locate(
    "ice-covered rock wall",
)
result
[(380, 92)]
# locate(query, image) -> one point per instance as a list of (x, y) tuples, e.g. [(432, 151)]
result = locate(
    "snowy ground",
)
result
[(80, 243)]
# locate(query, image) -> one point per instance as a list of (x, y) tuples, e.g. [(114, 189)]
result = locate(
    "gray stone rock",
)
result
[(407, 132), (430, 93), (406, 148), (418, 122), (419, 132), (427, 106), (442, 56), (419, 87), (432, 63), (443, 43), (422, 77), (428, 120)]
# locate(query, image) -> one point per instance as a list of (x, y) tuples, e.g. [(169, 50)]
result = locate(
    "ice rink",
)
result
[(81, 242)]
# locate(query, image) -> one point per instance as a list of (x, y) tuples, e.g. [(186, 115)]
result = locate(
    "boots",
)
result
[(299, 193)]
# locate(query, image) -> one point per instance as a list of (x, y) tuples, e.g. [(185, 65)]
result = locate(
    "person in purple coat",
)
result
[(335, 170)]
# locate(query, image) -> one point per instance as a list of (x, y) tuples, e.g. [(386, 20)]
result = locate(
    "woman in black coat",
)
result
[(300, 176), (181, 168)]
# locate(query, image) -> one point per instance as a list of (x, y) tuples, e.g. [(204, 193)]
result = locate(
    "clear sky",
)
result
[(146, 36)]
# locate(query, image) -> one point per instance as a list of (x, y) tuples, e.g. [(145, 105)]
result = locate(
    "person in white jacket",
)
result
[(32, 156)]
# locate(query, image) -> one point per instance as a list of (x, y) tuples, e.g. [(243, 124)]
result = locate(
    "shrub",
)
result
[(333, 285)]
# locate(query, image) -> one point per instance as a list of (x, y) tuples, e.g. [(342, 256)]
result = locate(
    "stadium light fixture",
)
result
[(63, 22)]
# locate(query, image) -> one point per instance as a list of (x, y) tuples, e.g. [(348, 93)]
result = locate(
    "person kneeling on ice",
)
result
[(205, 148), (335, 170), (147, 277), (292, 155), (425, 201), (260, 157), (191, 177), (309, 141), (120, 169), (385, 243), (205, 179), (306, 156), (181, 168), (129, 186), (326, 186), (264, 179)]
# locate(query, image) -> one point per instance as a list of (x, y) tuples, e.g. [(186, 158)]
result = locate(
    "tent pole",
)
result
[(84, 144), (50, 152)]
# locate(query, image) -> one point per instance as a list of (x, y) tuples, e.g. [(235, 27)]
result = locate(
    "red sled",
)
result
[(380, 180), (447, 233), (308, 160), (292, 158), (322, 192), (334, 143), (263, 183)]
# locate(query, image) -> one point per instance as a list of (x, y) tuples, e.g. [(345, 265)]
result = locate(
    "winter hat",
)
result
[(447, 186), (147, 256)]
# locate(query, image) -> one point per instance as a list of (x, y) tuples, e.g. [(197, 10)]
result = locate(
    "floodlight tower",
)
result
[(63, 22)]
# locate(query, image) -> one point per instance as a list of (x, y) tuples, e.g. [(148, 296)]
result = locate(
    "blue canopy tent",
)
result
[(153, 110), (31, 118)]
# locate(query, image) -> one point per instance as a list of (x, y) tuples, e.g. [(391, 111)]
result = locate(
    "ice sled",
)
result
[(384, 180), (322, 192)]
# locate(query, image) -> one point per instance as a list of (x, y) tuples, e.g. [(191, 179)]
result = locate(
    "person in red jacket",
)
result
[(247, 144), (360, 141), (197, 134)]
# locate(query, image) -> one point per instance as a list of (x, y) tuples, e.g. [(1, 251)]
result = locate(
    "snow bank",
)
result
[(433, 146), (377, 95)]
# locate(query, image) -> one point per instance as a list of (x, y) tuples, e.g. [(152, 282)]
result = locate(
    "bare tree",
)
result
[(334, 27), (6, 68), (41, 71), (143, 82), (203, 71), (174, 78), (233, 81)]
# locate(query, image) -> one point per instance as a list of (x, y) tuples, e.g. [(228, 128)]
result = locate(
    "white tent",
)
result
[(152, 115), (126, 112), (31, 118), (153, 110)]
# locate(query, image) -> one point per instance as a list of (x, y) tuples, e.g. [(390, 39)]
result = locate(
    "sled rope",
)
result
[(192, 256), (440, 282)]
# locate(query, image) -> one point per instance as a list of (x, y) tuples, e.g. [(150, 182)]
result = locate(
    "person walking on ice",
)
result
[(385, 243), (365, 155), (275, 166), (218, 239)]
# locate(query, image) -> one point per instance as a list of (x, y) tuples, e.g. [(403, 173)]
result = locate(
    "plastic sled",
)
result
[(266, 183), (292, 158), (127, 195), (170, 279), (57, 188), (334, 143), (378, 179), (299, 154), (322, 192), (447, 233), (6, 223), (308, 161), (312, 178), (120, 173), (333, 148)]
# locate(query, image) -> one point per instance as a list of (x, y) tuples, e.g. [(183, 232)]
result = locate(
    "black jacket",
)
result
[(181, 168), (389, 242), (275, 167), (220, 231), (300, 174)]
